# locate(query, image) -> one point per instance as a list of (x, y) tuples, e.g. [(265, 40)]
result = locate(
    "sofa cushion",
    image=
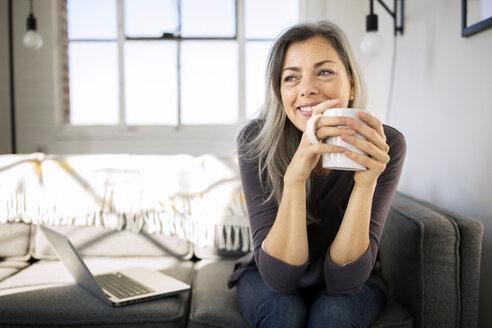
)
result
[(394, 316), (420, 260), (213, 304), (14, 241), (100, 241), (44, 294), (9, 268)]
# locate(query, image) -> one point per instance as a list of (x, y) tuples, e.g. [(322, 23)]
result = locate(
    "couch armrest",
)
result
[(420, 259), (470, 250)]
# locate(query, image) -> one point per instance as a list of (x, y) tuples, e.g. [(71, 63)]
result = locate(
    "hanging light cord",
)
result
[(392, 80)]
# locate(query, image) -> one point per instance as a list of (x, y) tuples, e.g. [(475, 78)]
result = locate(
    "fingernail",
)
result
[(346, 138)]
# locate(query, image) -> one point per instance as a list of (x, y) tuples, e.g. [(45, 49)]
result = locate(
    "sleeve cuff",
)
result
[(348, 278), (281, 277)]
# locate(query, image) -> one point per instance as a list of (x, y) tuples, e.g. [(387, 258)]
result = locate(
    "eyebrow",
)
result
[(297, 69)]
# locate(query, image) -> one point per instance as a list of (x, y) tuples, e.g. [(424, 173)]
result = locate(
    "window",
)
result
[(167, 62)]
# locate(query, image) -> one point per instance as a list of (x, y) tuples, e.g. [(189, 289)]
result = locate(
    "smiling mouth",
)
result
[(307, 109)]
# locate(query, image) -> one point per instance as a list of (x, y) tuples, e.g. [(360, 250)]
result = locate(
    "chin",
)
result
[(301, 125)]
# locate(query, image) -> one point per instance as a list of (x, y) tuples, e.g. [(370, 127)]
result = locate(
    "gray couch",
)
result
[(429, 256)]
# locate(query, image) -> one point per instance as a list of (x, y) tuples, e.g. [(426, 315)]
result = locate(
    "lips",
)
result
[(307, 108)]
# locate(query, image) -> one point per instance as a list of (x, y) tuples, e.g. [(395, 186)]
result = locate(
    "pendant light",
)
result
[(32, 39), (371, 44)]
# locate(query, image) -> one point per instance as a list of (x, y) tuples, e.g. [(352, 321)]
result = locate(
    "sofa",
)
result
[(185, 215)]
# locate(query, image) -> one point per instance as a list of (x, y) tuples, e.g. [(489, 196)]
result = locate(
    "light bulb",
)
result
[(32, 39), (371, 43)]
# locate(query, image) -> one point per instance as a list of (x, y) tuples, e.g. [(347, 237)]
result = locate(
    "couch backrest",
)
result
[(117, 204), (15, 241), (421, 258), (104, 242), (470, 246), (19, 175)]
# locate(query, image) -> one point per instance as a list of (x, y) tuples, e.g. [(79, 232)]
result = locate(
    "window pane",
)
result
[(150, 83), (256, 57), (209, 82), (150, 18), (92, 19), (208, 18), (264, 19), (93, 83)]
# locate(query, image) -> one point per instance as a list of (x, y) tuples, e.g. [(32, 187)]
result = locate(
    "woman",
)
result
[(315, 232)]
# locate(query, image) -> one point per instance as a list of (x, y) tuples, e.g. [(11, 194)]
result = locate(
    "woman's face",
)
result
[(312, 72)]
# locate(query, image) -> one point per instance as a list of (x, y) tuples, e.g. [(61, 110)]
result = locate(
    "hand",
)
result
[(375, 147), (307, 154)]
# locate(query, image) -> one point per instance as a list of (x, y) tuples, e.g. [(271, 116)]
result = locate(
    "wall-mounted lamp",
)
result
[(371, 43), (32, 39)]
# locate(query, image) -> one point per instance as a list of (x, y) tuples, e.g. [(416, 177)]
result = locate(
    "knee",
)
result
[(280, 310), (332, 314), (261, 307)]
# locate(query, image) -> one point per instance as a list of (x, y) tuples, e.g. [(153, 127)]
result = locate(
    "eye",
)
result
[(325, 72), (290, 78)]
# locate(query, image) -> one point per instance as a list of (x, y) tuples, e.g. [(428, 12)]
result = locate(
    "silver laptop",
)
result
[(116, 288)]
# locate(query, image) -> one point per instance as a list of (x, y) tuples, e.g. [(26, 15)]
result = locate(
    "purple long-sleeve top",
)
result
[(327, 203)]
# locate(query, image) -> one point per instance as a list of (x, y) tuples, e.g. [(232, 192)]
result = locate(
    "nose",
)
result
[(308, 86)]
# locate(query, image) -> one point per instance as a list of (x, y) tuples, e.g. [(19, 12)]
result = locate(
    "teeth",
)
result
[(306, 109)]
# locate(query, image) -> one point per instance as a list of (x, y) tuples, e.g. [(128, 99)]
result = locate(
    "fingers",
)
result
[(307, 157), (375, 146), (374, 122), (324, 132), (310, 149), (373, 152), (371, 129), (326, 148), (371, 163), (321, 107)]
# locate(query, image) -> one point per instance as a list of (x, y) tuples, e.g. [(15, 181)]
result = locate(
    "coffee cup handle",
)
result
[(310, 131)]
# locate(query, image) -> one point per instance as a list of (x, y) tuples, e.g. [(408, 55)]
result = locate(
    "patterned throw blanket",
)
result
[(197, 198)]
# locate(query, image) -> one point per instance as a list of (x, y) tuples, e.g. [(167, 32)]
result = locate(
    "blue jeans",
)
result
[(262, 307)]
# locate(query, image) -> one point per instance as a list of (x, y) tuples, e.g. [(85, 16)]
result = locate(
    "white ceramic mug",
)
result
[(337, 161)]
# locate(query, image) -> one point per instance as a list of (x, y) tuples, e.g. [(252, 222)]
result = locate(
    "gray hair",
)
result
[(278, 139)]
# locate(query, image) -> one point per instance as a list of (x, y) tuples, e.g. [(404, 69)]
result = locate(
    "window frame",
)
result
[(122, 131)]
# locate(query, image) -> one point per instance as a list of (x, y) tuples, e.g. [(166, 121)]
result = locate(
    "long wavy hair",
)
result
[(278, 139)]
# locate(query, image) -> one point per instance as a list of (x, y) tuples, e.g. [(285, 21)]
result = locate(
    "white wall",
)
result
[(34, 88), (442, 102)]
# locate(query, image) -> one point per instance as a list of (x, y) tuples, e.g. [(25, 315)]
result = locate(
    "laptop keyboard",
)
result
[(121, 286)]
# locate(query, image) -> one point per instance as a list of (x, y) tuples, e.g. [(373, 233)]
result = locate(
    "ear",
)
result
[(352, 92), (352, 86)]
